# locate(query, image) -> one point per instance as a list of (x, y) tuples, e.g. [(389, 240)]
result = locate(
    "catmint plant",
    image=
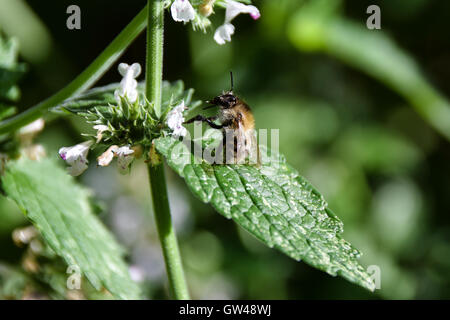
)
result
[(112, 127), (145, 121)]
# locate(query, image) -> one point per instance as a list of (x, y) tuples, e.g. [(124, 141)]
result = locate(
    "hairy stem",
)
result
[(166, 231), (86, 79), (154, 63)]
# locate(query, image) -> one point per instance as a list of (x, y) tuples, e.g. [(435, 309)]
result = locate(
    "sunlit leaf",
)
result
[(275, 204)]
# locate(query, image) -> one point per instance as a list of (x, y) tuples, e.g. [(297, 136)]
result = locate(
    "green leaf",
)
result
[(10, 70), (275, 204), (172, 94), (6, 111), (60, 210)]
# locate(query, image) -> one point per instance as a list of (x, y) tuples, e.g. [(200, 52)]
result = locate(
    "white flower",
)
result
[(100, 129), (125, 155), (28, 132), (224, 33), (175, 121), (76, 157), (234, 8), (107, 156), (128, 85), (32, 127), (182, 11), (124, 158)]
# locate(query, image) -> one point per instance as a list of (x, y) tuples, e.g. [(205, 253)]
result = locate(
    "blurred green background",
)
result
[(362, 114)]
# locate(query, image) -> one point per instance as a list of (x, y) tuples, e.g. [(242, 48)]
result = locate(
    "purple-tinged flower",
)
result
[(234, 8), (182, 11), (124, 158), (76, 157)]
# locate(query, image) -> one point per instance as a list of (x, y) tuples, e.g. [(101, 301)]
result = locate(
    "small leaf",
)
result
[(60, 210), (10, 70), (275, 204), (6, 111)]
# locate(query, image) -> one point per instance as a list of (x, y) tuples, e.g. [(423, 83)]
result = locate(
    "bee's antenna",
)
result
[(232, 82)]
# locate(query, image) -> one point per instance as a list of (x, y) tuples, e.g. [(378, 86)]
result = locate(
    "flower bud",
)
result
[(206, 8)]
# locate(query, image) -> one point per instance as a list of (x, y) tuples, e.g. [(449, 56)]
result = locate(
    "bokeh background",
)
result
[(363, 114)]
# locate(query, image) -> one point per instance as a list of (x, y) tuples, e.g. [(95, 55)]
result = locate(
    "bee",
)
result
[(237, 124)]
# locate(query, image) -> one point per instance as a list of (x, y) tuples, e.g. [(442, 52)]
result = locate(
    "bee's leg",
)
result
[(209, 121)]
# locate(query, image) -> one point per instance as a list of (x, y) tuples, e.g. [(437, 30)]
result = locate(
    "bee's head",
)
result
[(226, 100)]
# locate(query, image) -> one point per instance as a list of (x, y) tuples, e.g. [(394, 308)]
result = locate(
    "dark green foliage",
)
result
[(60, 210)]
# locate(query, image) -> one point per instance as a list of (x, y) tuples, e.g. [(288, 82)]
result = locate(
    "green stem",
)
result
[(166, 231), (86, 79), (154, 63)]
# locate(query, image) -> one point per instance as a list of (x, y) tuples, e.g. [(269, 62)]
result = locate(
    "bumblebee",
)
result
[(237, 124)]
